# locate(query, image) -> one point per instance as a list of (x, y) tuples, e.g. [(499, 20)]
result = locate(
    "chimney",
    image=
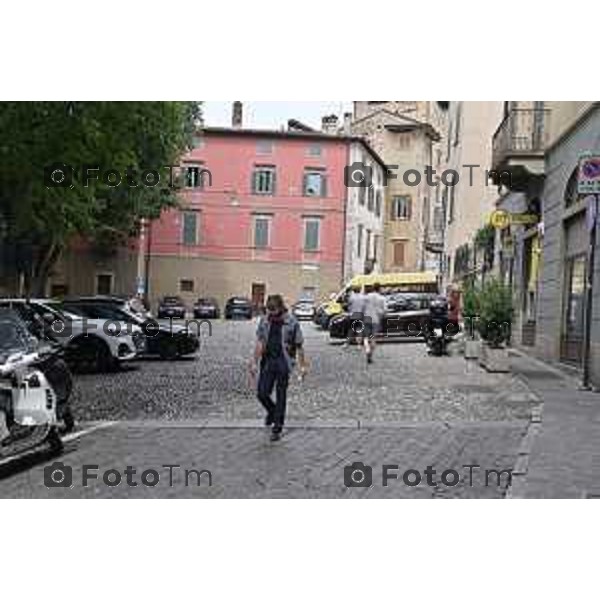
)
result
[(329, 124), (347, 123), (236, 115)]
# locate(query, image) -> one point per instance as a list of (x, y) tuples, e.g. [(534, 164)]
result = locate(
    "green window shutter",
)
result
[(311, 234), (190, 229), (261, 233)]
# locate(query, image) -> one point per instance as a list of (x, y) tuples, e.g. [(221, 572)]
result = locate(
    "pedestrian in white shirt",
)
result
[(375, 307), (356, 310)]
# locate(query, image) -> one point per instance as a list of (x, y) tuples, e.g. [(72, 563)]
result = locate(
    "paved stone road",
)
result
[(407, 409)]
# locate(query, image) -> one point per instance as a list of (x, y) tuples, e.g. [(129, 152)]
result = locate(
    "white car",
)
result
[(90, 344)]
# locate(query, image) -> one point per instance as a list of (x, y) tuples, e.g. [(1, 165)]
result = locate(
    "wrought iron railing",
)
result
[(522, 132)]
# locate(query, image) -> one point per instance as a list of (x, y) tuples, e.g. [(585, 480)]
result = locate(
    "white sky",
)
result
[(274, 115)]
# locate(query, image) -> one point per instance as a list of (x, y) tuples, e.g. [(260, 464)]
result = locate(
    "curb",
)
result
[(518, 481)]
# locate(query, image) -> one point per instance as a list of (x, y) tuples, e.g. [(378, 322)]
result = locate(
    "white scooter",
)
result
[(30, 409)]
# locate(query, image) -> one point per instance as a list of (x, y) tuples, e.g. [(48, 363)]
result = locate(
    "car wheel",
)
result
[(170, 350), (92, 356)]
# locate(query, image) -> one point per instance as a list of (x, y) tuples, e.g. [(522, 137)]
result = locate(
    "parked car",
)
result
[(238, 307), (206, 308), (407, 315), (304, 309), (91, 345), (171, 307), (167, 341)]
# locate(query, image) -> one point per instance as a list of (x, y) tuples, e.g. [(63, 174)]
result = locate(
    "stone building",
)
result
[(469, 203), (574, 130), (409, 136)]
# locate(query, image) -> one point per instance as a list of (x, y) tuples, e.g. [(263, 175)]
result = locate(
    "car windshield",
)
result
[(239, 301), (58, 309), (171, 300), (102, 311), (11, 336)]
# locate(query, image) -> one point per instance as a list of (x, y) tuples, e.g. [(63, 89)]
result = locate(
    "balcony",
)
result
[(518, 147)]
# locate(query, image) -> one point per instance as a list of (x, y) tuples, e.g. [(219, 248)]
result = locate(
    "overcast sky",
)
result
[(272, 115)]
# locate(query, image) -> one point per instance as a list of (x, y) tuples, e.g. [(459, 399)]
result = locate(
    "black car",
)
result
[(171, 307), (169, 341), (238, 307), (407, 315), (206, 308)]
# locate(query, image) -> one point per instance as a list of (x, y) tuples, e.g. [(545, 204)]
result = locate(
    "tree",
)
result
[(41, 220)]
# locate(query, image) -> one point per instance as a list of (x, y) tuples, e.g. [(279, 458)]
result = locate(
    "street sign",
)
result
[(500, 219), (588, 177)]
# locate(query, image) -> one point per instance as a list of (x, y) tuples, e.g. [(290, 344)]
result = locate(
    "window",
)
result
[(371, 198), (571, 192), (194, 175), (312, 226), (189, 229), (186, 285), (376, 239), (314, 183), (314, 150), (59, 290), (398, 255), (261, 231), (401, 208), (264, 147), (263, 180), (359, 240), (368, 245), (104, 284), (378, 203)]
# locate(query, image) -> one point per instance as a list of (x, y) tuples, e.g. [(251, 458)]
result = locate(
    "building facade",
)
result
[(469, 203), (574, 130), (278, 217), (408, 136)]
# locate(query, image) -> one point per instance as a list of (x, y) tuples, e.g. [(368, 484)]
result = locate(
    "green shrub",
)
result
[(495, 313)]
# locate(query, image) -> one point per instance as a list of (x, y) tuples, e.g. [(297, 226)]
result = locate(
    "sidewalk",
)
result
[(560, 455)]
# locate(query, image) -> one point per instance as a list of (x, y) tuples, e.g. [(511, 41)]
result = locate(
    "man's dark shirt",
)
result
[(274, 347)]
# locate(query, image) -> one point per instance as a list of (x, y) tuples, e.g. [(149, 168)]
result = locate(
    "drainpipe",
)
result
[(147, 263), (344, 233)]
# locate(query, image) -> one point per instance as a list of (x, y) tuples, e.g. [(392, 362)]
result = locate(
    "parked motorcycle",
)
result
[(35, 386), (438, 331)]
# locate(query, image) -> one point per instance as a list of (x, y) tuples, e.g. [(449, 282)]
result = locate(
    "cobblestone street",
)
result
[(407, 409)]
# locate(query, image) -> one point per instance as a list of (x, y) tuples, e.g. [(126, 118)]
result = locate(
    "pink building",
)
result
[(265, 212)]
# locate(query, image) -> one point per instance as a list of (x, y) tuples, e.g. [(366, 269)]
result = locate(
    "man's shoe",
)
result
[(275, 435), (268, 421)]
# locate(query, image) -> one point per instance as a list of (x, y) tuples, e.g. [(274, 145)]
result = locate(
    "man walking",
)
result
[(356, 308), (375, 307), (278, 343)]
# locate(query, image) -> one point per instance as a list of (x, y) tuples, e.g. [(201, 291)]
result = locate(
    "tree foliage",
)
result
[(37, 221)]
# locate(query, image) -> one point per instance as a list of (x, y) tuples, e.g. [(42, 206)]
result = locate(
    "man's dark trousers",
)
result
[(274, 372)]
